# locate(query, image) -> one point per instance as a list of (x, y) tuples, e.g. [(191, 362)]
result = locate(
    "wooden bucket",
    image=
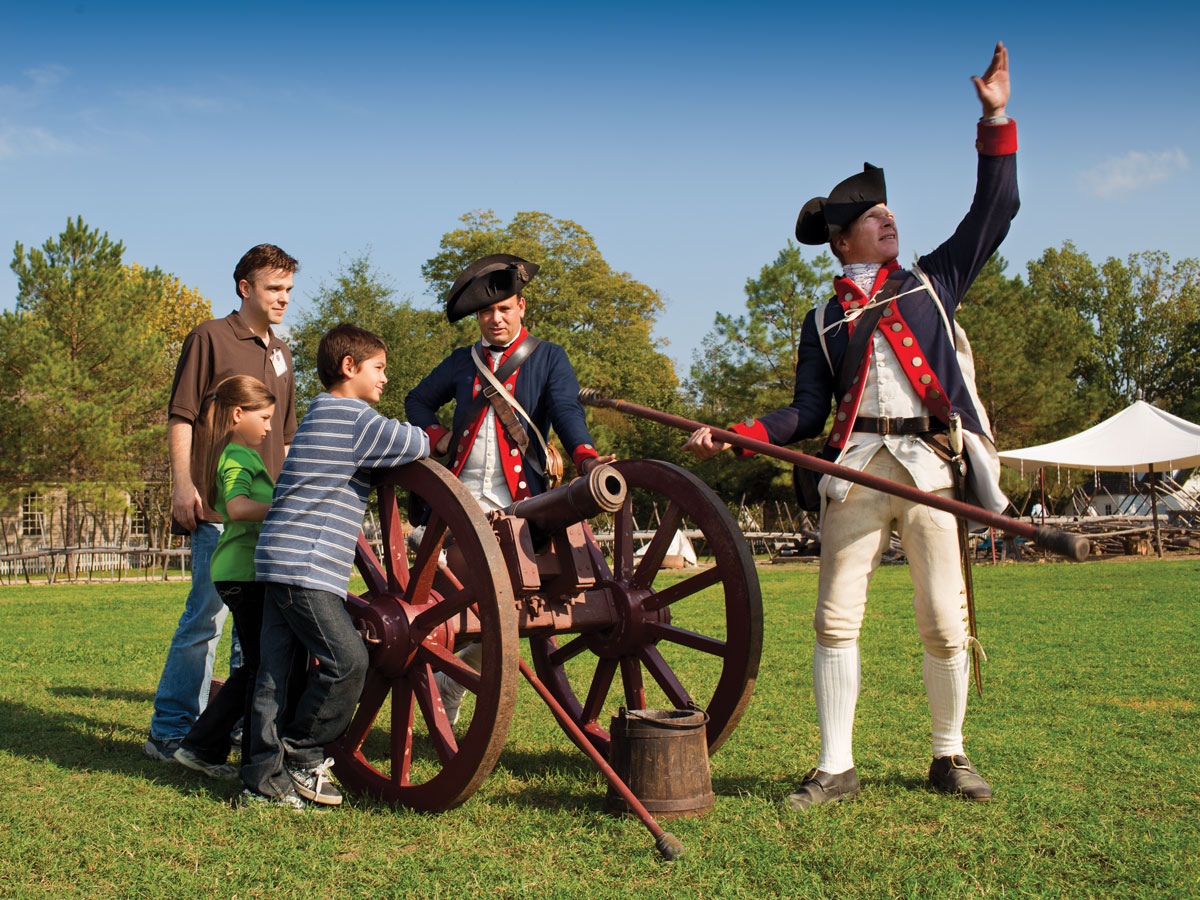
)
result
[(662, 754)]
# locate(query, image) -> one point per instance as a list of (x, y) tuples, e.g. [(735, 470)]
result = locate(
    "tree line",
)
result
[(88, 352)]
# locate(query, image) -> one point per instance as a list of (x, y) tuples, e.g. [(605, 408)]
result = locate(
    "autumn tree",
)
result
[(604, 319), (84, 371)]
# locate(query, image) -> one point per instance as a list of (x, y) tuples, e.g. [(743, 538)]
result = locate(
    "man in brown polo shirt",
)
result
[(242, 343)]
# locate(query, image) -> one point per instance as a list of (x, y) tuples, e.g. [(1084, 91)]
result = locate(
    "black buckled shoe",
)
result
[(819, 787), (955, 775)]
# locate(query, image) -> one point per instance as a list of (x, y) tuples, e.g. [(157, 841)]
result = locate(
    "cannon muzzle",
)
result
[(601, 490)]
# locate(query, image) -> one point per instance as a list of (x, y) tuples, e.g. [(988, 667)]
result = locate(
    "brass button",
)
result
[(935, 393), (907, 342), (916, 360), (925, 379), (841, 417), (896, 326), (836, 437)]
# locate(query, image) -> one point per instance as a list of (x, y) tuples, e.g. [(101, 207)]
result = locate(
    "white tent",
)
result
[(681, 548), (1140, 438)]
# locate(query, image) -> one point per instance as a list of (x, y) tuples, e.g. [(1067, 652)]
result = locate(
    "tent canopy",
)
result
[(1136, 438)]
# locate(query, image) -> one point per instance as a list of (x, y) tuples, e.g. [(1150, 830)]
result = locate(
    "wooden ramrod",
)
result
[(1072, 546)]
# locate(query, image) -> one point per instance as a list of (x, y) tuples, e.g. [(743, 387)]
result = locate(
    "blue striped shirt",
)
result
[(309, 534)]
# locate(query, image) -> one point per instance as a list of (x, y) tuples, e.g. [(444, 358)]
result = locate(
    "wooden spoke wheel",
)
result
[(400, 746), (671, 628)]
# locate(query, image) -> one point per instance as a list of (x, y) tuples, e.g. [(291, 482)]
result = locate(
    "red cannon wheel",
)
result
[(400, 746), (667, 629)]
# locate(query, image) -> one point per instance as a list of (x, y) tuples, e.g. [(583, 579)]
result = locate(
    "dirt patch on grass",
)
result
[(1154, 705)]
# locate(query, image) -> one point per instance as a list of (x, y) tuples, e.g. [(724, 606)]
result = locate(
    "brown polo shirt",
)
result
[(214, 351)]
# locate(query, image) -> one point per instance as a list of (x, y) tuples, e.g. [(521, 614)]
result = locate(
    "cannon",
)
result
[(535, 571)]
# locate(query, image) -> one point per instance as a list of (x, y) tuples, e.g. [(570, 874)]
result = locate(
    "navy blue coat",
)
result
[(951, 268), (545, 385)]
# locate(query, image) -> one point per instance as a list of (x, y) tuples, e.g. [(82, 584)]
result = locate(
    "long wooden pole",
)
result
[(1071, 546), (1154, 512)]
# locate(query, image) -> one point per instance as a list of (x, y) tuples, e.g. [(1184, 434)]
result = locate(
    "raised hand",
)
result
[(993, 87)]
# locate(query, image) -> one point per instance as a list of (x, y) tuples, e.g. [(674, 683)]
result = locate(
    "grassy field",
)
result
[(1088, 734)]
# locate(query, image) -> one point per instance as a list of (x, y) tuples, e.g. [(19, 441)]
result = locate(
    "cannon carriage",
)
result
[(535, 571)]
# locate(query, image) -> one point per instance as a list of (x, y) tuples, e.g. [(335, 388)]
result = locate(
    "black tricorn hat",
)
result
[(822, 218), (486, 281)]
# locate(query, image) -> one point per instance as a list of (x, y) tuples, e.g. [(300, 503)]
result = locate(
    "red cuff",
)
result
[(997, 140), (582, 452), (753, 429), (435, 432)]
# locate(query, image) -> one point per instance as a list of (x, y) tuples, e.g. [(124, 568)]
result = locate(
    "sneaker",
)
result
[(222, 771), (817, 788), (955, 775), (314, 784), (287, 798), (160, 751)]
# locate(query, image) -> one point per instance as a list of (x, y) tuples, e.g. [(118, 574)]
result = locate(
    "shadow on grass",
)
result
[(100, 693), (88, 744)]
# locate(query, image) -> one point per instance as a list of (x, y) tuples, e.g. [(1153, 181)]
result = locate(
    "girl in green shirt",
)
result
[(234, 421)]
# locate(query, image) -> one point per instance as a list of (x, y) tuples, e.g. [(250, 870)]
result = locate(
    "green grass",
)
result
[(1087, 734)]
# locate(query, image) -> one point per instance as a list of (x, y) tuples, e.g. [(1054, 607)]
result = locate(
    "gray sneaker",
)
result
[(314, 784), (222, 771), (160, 751), (819, 787)]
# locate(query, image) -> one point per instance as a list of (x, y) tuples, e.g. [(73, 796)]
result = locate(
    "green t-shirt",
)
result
[(240, 472)]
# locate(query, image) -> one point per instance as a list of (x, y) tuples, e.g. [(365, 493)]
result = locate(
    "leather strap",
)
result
[(496, 394), (509, 366), (943, 445), (863, 330), (896, 425)]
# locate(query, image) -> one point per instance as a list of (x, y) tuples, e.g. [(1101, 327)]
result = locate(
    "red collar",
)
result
[(508, 351)]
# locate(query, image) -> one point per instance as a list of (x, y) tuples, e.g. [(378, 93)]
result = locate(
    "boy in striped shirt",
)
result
[(305, 554)]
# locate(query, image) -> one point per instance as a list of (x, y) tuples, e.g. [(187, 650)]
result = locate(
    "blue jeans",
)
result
[(299, 623), (183, 687)]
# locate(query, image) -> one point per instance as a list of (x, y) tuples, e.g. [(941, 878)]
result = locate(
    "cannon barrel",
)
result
[(601, 490), (1063, 543)]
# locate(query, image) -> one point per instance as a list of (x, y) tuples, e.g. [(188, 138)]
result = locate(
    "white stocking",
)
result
[(837, 674), (946, 683)]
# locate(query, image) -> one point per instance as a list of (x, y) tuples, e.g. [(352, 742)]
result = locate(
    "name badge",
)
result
[(278, 361)]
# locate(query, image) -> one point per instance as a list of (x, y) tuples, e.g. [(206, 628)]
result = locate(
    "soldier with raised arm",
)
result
[(885, 354)]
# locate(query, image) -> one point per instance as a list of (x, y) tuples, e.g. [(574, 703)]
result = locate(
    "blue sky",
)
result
[(684, 137)]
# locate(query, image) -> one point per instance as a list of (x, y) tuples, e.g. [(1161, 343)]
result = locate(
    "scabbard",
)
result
[(964, 548)]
